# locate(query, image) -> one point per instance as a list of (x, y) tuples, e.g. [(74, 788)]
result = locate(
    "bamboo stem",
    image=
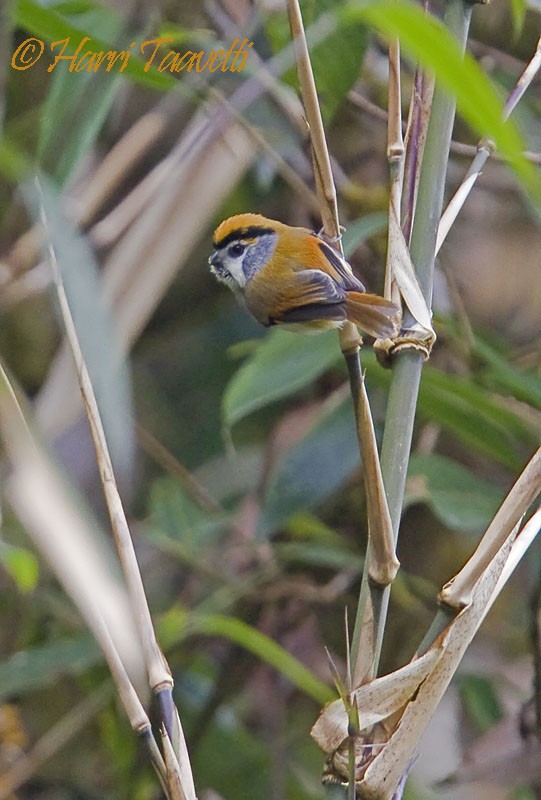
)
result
[(407, 364), (153, 657)]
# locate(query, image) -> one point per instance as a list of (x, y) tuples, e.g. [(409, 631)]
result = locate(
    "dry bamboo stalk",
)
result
[(159, 675), (325, 189), (457, 593)]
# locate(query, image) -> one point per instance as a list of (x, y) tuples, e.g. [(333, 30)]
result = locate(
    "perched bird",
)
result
[(291, 276)]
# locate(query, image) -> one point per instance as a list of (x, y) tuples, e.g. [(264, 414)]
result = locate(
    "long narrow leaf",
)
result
[(265, 648)]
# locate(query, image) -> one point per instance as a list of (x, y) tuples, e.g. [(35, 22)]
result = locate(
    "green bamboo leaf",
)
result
[(518, 13), (21, 564), (480, 701), (477, 417), (77, 103), (44, 665), (362, 229), (459, 498), (283, 363), (426, 39), (313, 543), (266, 649), (318, 555), (234, 762), (177, 522), (313, 469), (334, 76), (500, 374)]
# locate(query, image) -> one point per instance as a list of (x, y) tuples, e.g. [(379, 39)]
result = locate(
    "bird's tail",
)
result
[(374, 314)]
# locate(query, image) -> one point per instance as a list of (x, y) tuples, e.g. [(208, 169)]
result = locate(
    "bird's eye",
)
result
[(236, 249)]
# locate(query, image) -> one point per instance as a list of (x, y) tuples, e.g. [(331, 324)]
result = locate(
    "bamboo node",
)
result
[(350, 339), (418, 339), (487, 144)]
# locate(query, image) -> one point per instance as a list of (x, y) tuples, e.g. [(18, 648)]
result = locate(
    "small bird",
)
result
[(291, 276)]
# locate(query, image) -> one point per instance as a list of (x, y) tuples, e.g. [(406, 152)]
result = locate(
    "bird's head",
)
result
[(243, 245)]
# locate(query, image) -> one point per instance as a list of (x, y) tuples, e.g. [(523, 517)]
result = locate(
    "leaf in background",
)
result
[(480, 701), (14, 163), (79, 106), (21, 564), (518, 13), (427, 40), (77, 103), (44, 665), (318, 555), (283, 363), (313, 543), (334, 76), (500, 374), (313, 469), (459, 498), (264, 648), (362, 229), (175, 518), (477, 417), (94, 325), (218, 767)]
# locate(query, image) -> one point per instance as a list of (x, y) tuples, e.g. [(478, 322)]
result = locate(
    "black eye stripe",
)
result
[(252, 232)]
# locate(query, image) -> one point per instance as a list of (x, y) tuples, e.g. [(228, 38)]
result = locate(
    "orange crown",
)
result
[(242, 225)]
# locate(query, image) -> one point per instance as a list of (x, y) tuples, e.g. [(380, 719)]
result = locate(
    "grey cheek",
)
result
[(259, 254)]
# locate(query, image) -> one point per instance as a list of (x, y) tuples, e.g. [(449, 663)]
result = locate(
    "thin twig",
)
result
[(287, 172), (53, 740), (165, 459), (325, 187), (417, 127), (485, 149), (458, 148)]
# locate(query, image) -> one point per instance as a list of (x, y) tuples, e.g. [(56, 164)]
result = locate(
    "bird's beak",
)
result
[(214, 259)]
